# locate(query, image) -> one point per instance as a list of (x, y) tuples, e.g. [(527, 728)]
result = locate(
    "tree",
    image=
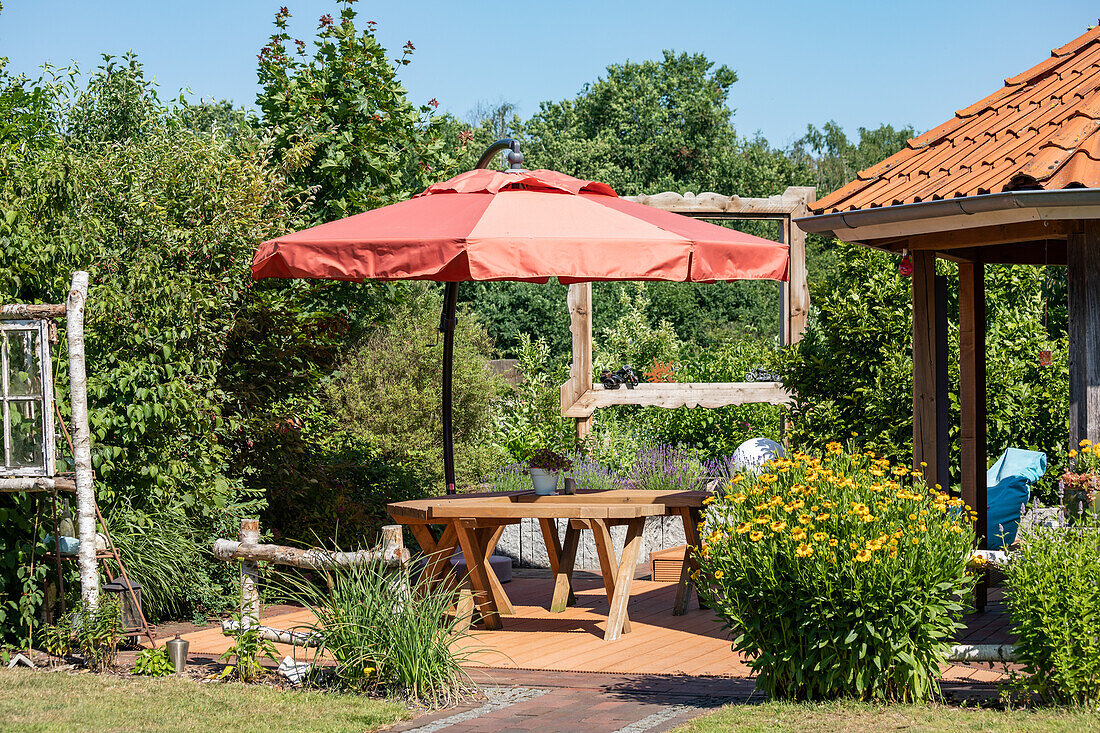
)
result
[(835, 159), (341, 121)]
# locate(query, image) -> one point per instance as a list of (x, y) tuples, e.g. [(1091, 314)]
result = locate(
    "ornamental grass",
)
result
[(839, 575)]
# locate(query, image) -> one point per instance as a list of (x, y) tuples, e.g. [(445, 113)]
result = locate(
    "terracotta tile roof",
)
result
[(1040, 131)]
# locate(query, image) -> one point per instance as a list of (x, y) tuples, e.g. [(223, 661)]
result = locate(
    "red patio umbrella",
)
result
[(516, 225)]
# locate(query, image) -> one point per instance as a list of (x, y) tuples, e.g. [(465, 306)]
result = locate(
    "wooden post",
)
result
[(797, 288), (1083, 274), (580, 371), (250, 573), (82, 440), (943, 400), (925, 437), (972, 397)]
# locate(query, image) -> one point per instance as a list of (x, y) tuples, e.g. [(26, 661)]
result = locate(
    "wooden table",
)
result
[(475, 523)]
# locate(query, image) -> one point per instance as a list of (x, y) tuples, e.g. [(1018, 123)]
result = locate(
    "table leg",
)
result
[(473, 548), (491, 536), (691, 517), (562, 560), (437, 552), (601, 533), (616, 619)]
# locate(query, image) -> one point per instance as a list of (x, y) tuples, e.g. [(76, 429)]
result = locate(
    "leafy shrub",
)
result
[(838, 575), (1054, 602), (666, 468), (96, 633), (386, 628), (153, 663), (530, 418), (389, 389)]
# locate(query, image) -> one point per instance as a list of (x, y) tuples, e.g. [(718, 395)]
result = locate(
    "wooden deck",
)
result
[(535, 639)]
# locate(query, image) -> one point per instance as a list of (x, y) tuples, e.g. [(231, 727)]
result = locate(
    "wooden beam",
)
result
[(925, 405), (716, 206), (580, 371), (1084, 334), (689, 394), (1038, 252), (972, 391), (1024, 231)]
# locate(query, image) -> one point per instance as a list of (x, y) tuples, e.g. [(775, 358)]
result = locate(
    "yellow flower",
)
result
[(804, 550), (1073, 454), (744, 527), (823, 516), (756, 536), (805, 518), (915, 541), (819, 536), (718, 574), (762, 520), (863, 556), (1085, 442), (833, 542), (737, 479), (912, 517), (709, 499), (778, 526), (853, 545)]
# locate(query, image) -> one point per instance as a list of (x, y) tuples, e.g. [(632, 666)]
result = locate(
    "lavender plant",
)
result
[(512, 477), (666, 468), (591, 475)]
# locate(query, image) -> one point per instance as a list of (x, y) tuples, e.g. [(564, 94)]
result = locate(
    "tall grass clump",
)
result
[(1054, 600), (838, 575), (387, 629), (666, 468)]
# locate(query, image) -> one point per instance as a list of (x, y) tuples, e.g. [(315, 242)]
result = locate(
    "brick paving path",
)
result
[(562, 702)]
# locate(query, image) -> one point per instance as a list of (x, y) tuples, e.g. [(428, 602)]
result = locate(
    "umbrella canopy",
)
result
[(523, 226), (518, 225)]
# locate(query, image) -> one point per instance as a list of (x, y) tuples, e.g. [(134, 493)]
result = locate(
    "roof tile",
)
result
[(1041, 130)]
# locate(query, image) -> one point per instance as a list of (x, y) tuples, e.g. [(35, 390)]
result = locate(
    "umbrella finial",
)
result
[(513, 157)]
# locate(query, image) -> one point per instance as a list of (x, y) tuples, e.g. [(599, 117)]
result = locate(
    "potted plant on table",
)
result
[(546, 467), (1078, 486)]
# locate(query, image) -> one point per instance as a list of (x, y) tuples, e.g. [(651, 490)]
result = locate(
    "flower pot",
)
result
[(1080, 496), (546, 483)]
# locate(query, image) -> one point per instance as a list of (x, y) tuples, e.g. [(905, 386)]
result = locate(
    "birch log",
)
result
[(82, 440), (42, 310), (249, 536), (392, 552)]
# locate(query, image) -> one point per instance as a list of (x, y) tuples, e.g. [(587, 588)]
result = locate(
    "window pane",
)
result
[(26, 433), (24, 369)]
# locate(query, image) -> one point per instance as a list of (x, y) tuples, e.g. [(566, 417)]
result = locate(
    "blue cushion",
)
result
[(1008, 488)]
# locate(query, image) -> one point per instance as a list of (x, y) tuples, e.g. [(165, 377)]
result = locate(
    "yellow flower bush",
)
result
[(840, 575)]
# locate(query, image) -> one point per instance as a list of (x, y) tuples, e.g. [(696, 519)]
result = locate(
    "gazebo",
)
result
[(1013, 178)]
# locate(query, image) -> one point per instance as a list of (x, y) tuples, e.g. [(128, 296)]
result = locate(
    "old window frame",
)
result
[(44, 398)]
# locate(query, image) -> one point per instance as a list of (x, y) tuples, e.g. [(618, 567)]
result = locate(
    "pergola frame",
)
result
[(580, 397), (1059, 227)]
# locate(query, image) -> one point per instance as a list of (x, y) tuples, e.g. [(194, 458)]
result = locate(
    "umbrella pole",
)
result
[(447, 326)]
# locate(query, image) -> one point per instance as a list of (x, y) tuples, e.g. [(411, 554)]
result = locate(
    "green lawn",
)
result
[(45, 701), (851, 717)]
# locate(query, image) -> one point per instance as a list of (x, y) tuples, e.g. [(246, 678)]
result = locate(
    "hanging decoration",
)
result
[(905, 267)]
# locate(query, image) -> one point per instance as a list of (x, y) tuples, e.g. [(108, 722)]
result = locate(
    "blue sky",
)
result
[(860, 63)]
